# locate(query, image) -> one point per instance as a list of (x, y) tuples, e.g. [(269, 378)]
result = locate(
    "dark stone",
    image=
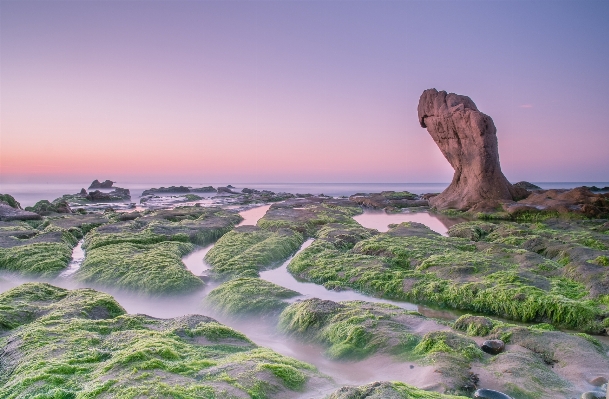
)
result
[(172, 189), (493, 346), (118, 194), (250, 191), (83, 192), (97, 184), (526, 185), (229, 186), (226, 190), (598, 381), (207, 189), (593, 395), (490, 394)]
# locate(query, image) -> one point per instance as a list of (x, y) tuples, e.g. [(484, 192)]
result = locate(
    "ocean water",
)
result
[(30, 193)]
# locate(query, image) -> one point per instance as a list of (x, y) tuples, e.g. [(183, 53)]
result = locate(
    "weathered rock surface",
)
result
[(105, 184), (579, 200), (468, 140), (8, 213), (172, 189)]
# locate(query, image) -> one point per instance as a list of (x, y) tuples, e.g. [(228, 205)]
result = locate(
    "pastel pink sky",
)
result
[(295, 91)]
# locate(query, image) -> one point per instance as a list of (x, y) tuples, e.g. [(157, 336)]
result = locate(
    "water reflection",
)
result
[(282, 277), (380, 220), (195, 261), (78, 256), (251, 216)]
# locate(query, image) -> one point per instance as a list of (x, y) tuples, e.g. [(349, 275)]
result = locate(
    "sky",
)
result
[(296, 91)]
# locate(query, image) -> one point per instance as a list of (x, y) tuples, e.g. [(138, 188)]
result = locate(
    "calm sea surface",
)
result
[(29, 193)]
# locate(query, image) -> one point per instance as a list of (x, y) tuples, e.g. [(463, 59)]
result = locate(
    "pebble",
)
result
[(490, 394), (593, 395), (598, 381), (493, 346)]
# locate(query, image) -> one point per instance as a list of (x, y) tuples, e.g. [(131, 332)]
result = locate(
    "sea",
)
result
[(29, 193)]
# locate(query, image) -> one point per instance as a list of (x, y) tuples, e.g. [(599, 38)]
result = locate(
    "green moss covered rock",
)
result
[(81, 344), (387, 390), (410, 262), (249, 295), (247, 249)]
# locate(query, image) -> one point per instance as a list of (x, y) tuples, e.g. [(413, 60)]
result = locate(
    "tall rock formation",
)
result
[(468, 140)]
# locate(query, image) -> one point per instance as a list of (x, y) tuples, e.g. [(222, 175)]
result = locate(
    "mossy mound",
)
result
[(151, 269), (307, 215), (32, 301), (197, 225), (387, 390), (353, 329), (249, 295), (410, 262), (42, 248), (247, 249), (66, 354), (144, 254)]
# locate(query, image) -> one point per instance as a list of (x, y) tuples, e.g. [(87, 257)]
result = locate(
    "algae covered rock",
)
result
[(145, 254), (410, 262), (81, 344), (307, 215), (151, 269), (247, 249), (42, 248), (249, 295), (387, 390)]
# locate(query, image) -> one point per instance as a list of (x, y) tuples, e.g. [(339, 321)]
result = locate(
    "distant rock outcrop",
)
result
[(97, 184), (468, 140), (527, 186), (118, 194)]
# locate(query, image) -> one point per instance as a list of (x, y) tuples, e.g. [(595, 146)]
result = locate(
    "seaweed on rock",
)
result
[(249, 295), (412, 263), (81, 344), (247, 249)]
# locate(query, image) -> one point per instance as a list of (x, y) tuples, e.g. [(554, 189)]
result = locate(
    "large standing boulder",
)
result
[(468, 140)]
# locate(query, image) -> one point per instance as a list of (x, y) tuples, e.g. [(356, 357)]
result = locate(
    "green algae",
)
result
[(144, 254), (249, 295), (477, 326), (10, 200), (307, 217), (394, 390), (62, 352), (351, 329), (246, 250), (42, 259), (152, 269), (452, 272), (448, 342)]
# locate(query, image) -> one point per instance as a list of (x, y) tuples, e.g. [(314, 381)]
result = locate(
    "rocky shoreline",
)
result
[(525, 270)]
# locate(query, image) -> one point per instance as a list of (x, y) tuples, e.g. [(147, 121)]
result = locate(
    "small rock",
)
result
[(598, 381), (493, 346), (490, 394), (593, 395), (411, 366)]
